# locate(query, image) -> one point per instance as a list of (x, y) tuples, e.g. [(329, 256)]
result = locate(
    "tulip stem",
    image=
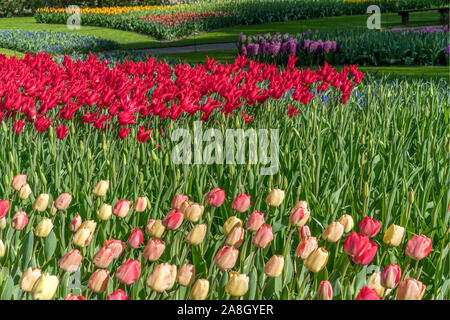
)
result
[(22, 295), (185, 254), (304, 281), (213, 282), (382, 256), (253, 260), (263, 287), (406, 270), (343, 278)]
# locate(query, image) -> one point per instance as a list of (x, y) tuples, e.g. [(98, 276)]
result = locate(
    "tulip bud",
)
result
[(237, 284), (178, 200), (45, 287), (116, 246), (274, 267), (119, 294), (199, 290), (226, 258), (103, 258), (304, 232), (76, 223), (29, 278), (157, 229), (18, 181), (411, 196), (98, 281), (418, 247), (299, 216), (241, 203), (2, 223), (24, 192), (263, 236), (333, 232), (186, 275), (394, 235), (43, 228), (317, 260), (71, 296), (255, 221), (369, 227), (122, 208), (140, 204), (196, 235), (2, 249), (63, 201), (129, 271), (230, 224), (215, 197), (410, 289), (136, 238), (374, 283), (325, 291), (390, 276), (347, 221), (306, 247), (71, 261), (104, 212), (162, 277), (19, 220), (275, 197), (53, 209), (367, 293), (154, 249), (192, 211), (41, 202), (101, 188)]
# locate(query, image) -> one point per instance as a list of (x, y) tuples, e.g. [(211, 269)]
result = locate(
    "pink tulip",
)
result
[(369, 227), (136, 238), (255, 221), (18, 181), (241, 203), (116, 246), (215, 197), (173, 219), (103, 258), (63, 201), (119, 294), (19, 220), (418, 247), (154, 249), (129, 271), (122, 208), (4, 207), (263, 236), (178, 200)]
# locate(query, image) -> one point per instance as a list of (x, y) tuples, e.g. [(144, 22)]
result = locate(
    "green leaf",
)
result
[(27, 249)]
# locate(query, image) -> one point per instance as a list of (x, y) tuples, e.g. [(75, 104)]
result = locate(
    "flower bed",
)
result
[(419, 46), (53, 42), (248, 12)]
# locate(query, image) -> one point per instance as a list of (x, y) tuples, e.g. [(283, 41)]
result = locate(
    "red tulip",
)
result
[(4, 207), (367, 293), (136, 238), (61, 131), (215, 197), (367, 254), (18, 126), (124, 131), (71, 296), (129, 271), (143, 135), (325, 291), (355, 243), (119, 294), (369, 227), (173, 219), (418, 247), (241, 203)]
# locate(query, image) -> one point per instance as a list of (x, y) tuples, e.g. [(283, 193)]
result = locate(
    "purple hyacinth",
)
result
[(243, 51), (447, 50), (252, 49), (275, 48)]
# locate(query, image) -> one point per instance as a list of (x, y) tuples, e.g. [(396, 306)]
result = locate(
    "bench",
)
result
[(405, 13)]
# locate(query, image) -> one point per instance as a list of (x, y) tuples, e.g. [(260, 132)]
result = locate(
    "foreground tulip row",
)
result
[(128, 265)]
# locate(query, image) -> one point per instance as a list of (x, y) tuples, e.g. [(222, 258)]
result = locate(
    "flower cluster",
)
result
[(39, 91), (161, 276), (178, 18)]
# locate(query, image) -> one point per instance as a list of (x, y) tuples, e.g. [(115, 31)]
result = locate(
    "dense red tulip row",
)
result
[(175, 19), (36, 91)]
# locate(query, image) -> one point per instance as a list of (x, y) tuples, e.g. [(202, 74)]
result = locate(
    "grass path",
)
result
[(132, 40)]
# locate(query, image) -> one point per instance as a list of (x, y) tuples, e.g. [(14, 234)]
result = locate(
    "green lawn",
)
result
[(132, 40), (9, 53)]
